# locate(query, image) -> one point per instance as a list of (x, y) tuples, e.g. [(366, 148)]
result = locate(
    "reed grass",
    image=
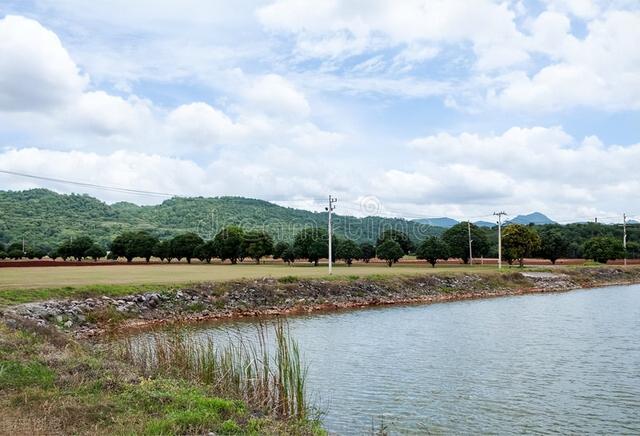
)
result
[(272, 381)]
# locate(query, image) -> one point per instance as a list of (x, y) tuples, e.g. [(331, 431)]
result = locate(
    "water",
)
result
[(542, 363)]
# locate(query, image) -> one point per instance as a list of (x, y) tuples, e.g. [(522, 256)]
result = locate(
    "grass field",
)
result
[(78, 276)]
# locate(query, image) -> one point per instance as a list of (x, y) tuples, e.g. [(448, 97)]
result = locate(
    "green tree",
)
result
[(401, 238), (229, 243), (183, 245), (389, 251), (122, 246), (79, 246), (312, 244), (3, 255), (368, 251), (457, 238), (256, 244), (143, 244), (603, 248), (289, 255), (162, 250), (15, 254), (134, 244), (95, 252), (348, 250), (279, 249), (633, 250), (553, 244), (520, 241), (432, 249)]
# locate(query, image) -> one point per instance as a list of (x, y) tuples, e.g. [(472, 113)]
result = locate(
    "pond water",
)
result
[(541, 363)]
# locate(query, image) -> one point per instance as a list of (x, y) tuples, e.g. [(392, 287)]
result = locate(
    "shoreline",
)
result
[(208, 302)]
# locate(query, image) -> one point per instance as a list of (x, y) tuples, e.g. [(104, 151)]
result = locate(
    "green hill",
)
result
[(45, 218)]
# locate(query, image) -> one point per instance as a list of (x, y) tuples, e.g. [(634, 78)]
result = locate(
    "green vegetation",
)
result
[(348, 250), (47, 219), (432, 250), (406, 244), (601, 249), (273, 384), (519, 241), (49, 384), (389, 251), (553, 244), (457, 238)]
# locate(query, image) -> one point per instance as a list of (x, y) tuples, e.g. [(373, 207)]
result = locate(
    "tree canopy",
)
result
[(389, 251), (398, 236), (457, 238), (228, 244), (553, 244), (520, 241), (256, 244), (432, 250), (603, 248), (348, 250), (184, 245)]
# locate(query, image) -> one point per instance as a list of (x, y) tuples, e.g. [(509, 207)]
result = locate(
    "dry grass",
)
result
[(76, 276)]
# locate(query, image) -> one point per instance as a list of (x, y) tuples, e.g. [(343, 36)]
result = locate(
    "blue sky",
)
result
[(422, 107)]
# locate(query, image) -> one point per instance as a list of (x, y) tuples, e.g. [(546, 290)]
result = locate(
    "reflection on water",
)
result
[(543, 363)]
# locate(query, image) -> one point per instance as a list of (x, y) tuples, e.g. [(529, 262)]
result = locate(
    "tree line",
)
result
[(234, 244)]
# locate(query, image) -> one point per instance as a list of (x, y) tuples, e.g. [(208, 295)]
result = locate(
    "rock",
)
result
[(68, 324)]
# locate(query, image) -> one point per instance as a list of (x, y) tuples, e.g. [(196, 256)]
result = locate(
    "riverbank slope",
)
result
[(290, 295)]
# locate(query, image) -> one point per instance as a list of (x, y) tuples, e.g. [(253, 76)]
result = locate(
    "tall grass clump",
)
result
[(272, 381)]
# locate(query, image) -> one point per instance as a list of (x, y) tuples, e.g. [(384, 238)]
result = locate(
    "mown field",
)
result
[(165, 274)]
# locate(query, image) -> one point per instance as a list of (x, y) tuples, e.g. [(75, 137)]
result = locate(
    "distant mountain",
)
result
[(532, 218), (444, 222), (484, 224), (45, 218)]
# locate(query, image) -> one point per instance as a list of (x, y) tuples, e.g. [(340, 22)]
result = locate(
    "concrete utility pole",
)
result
[(470, 241), (499, 215), (330, 209), (624, 236)]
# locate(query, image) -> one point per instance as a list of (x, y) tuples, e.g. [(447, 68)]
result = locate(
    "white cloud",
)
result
[(602, 70), (274, 95), (580, 8), (339, 28), (269, 108), (203, 125), (36, 72), (540, 166)]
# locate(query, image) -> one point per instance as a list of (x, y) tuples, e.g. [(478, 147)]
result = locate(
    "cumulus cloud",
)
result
[(538, 167), (36, 72), (602, 70)]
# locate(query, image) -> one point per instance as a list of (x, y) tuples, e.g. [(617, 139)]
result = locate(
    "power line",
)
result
[(89, 185)]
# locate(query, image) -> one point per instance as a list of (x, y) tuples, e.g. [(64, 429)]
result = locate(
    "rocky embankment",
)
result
[(269, 296)]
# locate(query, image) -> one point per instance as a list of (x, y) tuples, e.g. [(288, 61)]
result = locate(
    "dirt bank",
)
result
[(209, 301)]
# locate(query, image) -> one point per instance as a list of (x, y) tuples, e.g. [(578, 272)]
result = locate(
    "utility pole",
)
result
[(624, 236), (330, 209), (499, 215), (24, 252), (470, 250)]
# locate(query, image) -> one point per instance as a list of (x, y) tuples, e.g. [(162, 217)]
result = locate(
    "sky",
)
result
[(410, 108)]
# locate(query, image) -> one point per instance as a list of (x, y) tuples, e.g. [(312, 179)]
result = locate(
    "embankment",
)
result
[(208, 301)]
